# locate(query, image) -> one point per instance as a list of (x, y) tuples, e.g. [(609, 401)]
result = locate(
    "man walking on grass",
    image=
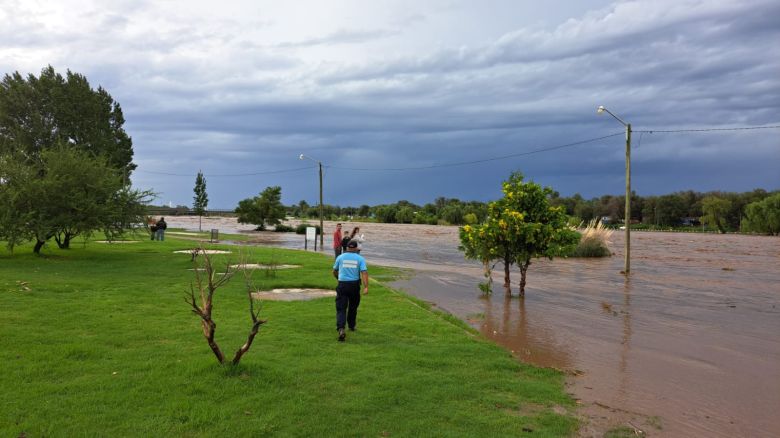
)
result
[(350, 270)]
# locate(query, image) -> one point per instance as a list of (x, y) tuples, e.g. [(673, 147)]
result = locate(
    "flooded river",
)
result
[(689, 345)]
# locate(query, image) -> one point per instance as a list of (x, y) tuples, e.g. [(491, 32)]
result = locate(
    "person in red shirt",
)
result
[(337, 240)]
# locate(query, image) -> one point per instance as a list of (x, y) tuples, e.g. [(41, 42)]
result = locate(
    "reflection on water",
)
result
[(691, 336)]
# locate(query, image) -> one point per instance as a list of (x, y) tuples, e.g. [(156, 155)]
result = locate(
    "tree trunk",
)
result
[(64, 241), (507, 284), (209, 328), (38, 245), (523, 271), (244, 348)]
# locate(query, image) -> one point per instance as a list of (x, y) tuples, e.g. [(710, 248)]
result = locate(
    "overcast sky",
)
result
[(239, 89)]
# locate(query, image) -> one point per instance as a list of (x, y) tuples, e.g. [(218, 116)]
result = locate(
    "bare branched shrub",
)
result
[(207, 284), (594, 241)]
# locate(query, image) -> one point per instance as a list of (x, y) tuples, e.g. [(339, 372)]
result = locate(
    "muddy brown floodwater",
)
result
[(688, 346)]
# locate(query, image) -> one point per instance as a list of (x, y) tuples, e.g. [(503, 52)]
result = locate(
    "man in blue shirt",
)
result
[(350, 270)]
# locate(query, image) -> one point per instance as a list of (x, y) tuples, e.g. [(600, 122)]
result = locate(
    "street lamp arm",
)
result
[(602, 109), (304, 157)]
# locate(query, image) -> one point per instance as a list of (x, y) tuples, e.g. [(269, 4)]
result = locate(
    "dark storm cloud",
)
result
[(206, 94)]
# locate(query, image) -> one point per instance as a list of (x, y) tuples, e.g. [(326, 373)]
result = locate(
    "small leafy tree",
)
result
[(535, 229), (201, 199), (66, 194), (715, 211), (262, 210), (519, 227)]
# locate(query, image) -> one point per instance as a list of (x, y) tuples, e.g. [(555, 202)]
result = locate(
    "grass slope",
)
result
[(98, 341)]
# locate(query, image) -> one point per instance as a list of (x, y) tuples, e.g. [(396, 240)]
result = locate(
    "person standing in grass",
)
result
[(344, 241), (351, 271), (357, 237), (152, 226), (161, 226), (337, 241)]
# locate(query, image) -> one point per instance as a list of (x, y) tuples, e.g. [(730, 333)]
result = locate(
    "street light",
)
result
[(322, 230), (601, 110)]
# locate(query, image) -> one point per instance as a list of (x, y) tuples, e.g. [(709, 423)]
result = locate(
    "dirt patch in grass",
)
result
[(207, 251), (293, 294), (263, 266)]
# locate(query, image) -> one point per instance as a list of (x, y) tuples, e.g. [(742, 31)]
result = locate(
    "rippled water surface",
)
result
[(692, 338)]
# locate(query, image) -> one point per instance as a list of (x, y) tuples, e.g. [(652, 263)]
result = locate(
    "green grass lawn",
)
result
[(98, 341)]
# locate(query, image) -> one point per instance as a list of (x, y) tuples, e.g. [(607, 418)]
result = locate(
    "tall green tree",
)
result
[(39, 113), (262, 210), (405, 215), (763, 216), (201, 198), (716, 210), (66, 157), (520, 226)]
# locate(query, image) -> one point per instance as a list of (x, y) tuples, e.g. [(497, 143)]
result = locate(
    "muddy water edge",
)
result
[(688, 345)]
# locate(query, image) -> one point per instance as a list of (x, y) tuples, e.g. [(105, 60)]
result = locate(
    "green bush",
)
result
[(282, 228), (591, 248)]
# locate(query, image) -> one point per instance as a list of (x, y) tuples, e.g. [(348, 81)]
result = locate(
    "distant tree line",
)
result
[(723, 211), (447, 211)]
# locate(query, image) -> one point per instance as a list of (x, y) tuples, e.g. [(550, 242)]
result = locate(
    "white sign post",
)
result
[(311, 234)]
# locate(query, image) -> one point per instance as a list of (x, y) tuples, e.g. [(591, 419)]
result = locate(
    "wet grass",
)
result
[(97, 340)]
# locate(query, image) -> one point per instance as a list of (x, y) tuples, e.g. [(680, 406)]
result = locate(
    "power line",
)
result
[(484, 160), (266, 172), (748, 128)]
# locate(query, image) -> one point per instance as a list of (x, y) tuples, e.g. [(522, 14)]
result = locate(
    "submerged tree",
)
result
[(519, 227), (262, 210), (715, 211), (201, 198), (763, 216)]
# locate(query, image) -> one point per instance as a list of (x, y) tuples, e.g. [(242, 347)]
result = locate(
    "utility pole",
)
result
[(322, 229), (627, 220), (627, 267)]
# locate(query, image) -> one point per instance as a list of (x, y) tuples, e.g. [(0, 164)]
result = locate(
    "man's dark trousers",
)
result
[(347, 302)]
